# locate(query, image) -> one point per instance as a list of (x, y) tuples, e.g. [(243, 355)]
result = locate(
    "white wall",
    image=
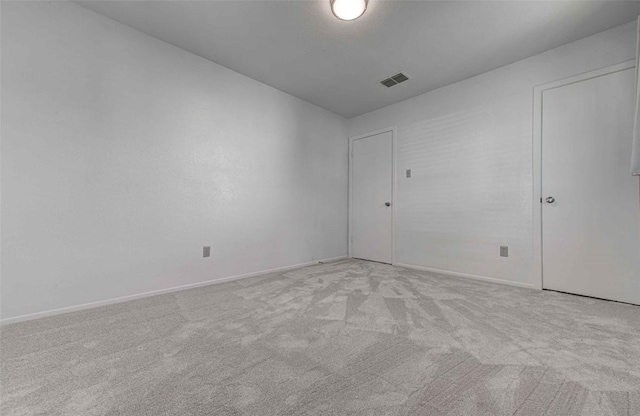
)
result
[(123, 155), (469, 146)]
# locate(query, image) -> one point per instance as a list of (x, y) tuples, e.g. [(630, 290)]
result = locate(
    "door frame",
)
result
[(537, 155), (393, 131)]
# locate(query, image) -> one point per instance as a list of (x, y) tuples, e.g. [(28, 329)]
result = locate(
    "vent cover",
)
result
[(394, 80)]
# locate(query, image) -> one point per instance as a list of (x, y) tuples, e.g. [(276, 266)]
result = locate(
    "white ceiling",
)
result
[(299, 47)]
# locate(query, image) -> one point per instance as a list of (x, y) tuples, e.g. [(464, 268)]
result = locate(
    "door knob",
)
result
[(387, 204), (550, 200)]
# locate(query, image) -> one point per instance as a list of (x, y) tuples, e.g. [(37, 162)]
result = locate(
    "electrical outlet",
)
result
[(408, 173), (206, 251), (504, 251)]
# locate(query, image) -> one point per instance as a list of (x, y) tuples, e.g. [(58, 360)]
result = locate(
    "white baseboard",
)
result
[(121, 299), (466, 275)]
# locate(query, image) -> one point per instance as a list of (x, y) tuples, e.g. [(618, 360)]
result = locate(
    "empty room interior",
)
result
[(320, 207)]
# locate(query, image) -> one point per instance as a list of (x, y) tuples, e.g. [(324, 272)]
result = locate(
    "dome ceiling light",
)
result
[(348, 9)]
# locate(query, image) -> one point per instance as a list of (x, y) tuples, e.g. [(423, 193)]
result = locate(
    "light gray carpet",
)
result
[(350, 337)]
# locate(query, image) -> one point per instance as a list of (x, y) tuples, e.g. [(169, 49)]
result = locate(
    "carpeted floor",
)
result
[(350, 337)]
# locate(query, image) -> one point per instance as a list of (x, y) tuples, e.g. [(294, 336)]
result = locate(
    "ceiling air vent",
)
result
[(396, 79)]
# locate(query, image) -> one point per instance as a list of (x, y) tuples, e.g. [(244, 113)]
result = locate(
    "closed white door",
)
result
[(371, 197), (590, 208)]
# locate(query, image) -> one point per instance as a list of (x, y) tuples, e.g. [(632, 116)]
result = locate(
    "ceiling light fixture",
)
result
[(348, 9)]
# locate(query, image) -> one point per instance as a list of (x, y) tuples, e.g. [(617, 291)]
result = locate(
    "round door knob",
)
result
[(387, 204), (550, 200)]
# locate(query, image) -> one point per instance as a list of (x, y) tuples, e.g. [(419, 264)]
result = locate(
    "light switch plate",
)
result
[(504, 251), (206, 251), (408, 173)]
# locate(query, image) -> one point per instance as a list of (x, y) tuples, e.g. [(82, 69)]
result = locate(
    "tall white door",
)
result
[(590, 208), (371, 197)]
